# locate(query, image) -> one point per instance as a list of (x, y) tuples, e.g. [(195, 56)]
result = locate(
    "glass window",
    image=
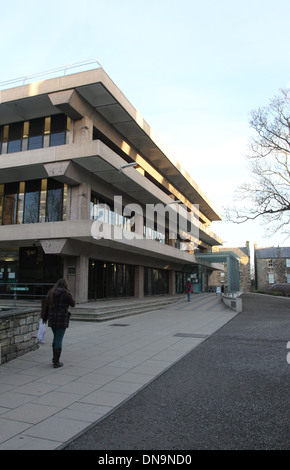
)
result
[(54, 209), (271, 278), (1, 199), (31, 204), (36, 129), (64, 201), (10, 203), (288, 263), (58, 123), (43, 193), (33, 201), (58, 129), (15, 136), (156, 281), (20, 202), (59, 138)]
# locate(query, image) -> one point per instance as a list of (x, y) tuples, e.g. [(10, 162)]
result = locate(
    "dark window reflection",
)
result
[(107, 280), (54, 201), (31, 205), (10, 202), (15, 136), (36, 129), (58, 130), (24, 202), (30, 135)]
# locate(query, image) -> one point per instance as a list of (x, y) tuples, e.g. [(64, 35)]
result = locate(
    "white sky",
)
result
[(194, 70)]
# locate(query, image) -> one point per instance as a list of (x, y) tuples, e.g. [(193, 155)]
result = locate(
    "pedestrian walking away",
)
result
[(188, 289), (56, 313)]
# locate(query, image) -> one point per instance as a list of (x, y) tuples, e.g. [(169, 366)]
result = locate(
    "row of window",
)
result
[(32, 202), (36, 133), (104, 212), (271, 265), (271, 278)]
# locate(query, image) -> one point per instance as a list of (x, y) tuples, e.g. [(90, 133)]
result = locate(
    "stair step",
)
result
[(114, 312)]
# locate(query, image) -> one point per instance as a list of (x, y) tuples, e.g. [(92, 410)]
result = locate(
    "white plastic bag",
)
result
[(41, 331)]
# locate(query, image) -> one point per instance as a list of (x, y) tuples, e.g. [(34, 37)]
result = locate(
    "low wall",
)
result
[(18, 332), (233, 301)]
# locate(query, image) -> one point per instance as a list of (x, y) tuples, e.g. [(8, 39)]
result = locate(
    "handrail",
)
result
[(30, 78), (16, 289)]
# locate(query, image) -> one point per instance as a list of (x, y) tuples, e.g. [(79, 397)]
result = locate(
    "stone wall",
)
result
[(18, 332), (277, 268)]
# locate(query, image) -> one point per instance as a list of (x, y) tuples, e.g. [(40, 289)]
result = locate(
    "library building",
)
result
[(87, 192)]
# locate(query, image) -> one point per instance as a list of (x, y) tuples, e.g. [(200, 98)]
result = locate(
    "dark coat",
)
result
[(58, 314)]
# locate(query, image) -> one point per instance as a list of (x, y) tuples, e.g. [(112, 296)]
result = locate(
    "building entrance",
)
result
[(109, 280), (8, 277)]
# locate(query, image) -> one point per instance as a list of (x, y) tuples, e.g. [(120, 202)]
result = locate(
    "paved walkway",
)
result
[(105, 363), (229, 393)]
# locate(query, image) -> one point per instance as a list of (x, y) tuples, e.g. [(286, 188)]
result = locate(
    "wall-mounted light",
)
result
[(134, 164), (127, 165)]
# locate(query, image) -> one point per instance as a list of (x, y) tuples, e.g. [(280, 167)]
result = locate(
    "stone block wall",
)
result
[(18, 332), (277, 269)]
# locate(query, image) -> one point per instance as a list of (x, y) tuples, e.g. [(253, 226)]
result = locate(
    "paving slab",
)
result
[(105, 363)]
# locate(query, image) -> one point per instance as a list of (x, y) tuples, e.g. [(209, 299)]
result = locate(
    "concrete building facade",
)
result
[(79, 168), (272, 266)]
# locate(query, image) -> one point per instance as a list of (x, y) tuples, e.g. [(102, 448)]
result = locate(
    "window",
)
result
[(54, 198), (15, 136), (34, 134), (32, 201), (288, 278), (270, 263), (271, 278), (1, 199), (288, 263), (10, 203), (58, 129), (4, 138), (36, 130)]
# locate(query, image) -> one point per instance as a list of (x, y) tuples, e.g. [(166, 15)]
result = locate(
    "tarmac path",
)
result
[(229, 393)]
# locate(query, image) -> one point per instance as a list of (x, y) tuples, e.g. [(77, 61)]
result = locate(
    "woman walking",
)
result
[(56, 313), (188, 289)]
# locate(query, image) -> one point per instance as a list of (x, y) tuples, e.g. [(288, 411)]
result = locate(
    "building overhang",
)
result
[(94, 86), (221, 257), (70, 164), (72, 238)]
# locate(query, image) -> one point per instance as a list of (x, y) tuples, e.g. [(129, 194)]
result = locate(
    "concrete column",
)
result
[(83, 130), (172, 282), (69, 268), (139, 281), (80, 202), (82, 275)]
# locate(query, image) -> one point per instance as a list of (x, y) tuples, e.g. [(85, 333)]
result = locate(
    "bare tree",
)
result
[(267, 195)]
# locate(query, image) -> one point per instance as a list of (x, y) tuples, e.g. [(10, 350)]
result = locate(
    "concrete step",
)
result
[(111, 312)]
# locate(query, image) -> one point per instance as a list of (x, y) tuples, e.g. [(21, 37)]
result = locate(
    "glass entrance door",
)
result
[(8, 277)]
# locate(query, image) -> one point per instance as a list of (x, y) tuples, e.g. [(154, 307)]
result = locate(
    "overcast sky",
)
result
[(194, 70)]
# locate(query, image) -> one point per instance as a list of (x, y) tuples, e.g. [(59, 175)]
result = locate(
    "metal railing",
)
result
[(23, 291), (67, 69)]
